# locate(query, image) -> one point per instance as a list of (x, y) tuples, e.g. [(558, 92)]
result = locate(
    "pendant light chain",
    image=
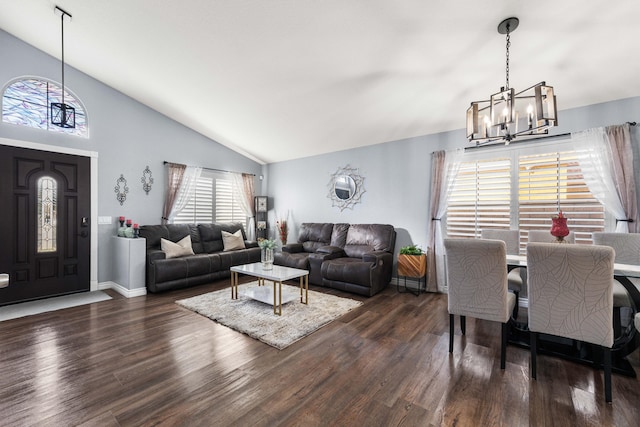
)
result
[(62, 23), (508, 46)]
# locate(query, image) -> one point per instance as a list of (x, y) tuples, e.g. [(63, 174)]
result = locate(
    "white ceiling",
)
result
[(282, 79)]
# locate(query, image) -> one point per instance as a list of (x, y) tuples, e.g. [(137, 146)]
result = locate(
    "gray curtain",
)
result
[(175, 172), (624, 178)]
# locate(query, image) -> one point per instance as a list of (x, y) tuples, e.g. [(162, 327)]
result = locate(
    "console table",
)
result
[(129, 262)]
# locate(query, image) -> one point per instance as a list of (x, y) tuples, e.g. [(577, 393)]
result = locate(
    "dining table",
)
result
[(624, 344)]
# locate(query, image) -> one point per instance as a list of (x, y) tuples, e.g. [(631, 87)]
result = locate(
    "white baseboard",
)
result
[(129, 293)]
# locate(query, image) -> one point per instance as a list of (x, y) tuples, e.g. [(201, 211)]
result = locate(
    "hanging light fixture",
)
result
[(508, 114), (63, 115)]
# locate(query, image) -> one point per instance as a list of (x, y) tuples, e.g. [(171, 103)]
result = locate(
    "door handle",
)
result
[(4, 280), (83, 233)]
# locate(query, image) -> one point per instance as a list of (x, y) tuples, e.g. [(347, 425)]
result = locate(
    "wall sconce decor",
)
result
[(346, 187), (121, 189), (147, 180)]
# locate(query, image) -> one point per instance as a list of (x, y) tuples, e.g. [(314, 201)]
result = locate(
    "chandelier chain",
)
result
[(508, 46)]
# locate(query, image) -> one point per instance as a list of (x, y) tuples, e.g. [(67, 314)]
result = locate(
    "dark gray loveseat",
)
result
[(209, 263), (356, 258)]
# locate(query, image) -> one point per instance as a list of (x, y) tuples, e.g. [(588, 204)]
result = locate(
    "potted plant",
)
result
[(412, 262)]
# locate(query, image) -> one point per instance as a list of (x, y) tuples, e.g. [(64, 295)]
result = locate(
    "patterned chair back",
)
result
[(477, 278), (626, 245), (571, 291)]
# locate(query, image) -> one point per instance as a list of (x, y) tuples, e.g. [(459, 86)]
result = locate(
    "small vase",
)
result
[(559, 229), (128, 231), (121, 229), (266, 257)]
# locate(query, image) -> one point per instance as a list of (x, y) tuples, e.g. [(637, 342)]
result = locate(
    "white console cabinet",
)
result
[(128, 264)]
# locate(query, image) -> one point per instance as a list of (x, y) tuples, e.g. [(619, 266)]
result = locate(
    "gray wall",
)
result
[(127, 136), (397, 175)]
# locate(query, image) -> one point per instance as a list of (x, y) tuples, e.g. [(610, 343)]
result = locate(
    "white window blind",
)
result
[(481, 198), (213, 201), (552, 182), (490, 193), (227, 208)]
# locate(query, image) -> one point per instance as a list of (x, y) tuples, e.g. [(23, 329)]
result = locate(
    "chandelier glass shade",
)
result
[(508, 114)]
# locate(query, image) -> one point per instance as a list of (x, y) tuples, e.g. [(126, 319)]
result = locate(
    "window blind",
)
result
[(213, 201), (490, 193), (481, 198), (552, 182)]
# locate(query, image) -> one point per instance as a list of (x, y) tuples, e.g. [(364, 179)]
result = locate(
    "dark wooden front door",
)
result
[(45, 205)]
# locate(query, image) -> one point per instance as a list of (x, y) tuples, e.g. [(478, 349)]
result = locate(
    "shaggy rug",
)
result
[(257, 319)]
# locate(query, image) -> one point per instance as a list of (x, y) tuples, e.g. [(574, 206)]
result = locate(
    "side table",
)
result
[(129, 262)]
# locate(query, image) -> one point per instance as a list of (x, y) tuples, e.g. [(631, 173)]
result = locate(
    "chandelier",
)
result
[(507, 114), (63, 115)]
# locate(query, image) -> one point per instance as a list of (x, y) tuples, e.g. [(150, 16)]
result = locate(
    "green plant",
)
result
[(411, 250), (267, 244)]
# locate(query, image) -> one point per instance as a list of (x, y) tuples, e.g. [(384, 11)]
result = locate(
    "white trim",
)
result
[(129, 293), (93, 269)]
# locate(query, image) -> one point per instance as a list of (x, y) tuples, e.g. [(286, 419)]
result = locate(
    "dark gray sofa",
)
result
[(356, 258), (209, 263)]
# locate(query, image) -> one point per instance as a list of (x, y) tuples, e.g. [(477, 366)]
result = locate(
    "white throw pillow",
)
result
[(178, 249), (233, 241)]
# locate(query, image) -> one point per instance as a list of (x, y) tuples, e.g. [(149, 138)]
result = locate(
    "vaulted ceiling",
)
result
[(282, 79)]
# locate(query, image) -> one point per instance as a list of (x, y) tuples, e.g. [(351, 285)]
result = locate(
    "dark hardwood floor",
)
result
[(148, 361)]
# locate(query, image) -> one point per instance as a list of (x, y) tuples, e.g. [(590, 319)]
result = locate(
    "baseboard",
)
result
[(129, 293)]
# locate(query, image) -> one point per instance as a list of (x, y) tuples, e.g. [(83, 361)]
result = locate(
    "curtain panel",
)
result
[(244, 193), (175, 172), (606, 160), (444, 167), (180, 191)]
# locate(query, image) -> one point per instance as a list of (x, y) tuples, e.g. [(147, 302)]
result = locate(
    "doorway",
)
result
[(45, 224)]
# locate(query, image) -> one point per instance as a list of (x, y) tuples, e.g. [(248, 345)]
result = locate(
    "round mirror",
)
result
[(344, 187)]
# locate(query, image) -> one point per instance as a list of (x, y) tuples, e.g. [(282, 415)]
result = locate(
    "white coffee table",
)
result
[(277, 275)]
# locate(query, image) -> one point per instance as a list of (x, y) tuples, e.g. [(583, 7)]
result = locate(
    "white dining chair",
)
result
[(477, 285), (571, 295)]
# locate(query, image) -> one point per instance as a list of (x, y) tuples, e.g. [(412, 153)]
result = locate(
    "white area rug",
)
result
[(50, 304), (257, 319)]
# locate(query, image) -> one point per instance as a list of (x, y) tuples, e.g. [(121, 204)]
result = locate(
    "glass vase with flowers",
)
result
[(267, 247)]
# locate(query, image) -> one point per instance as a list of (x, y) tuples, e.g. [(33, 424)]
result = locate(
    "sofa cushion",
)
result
[(232, 241), (314, 235), (211, 235), (298, 260), (339, 235), (177, 249), (348, 270), (364, 238), (171, 232)]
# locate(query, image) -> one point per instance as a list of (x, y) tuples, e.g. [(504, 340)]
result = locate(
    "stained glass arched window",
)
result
[(26, 101)]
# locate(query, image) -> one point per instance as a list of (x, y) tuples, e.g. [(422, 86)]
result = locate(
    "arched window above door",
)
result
[(25, 102)]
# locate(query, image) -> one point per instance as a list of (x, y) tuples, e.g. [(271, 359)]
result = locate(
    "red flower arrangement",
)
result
[(283, 230)]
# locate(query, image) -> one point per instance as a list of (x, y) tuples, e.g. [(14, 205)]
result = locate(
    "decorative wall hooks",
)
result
[(147, 180), (121, 189), (346, 187)]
